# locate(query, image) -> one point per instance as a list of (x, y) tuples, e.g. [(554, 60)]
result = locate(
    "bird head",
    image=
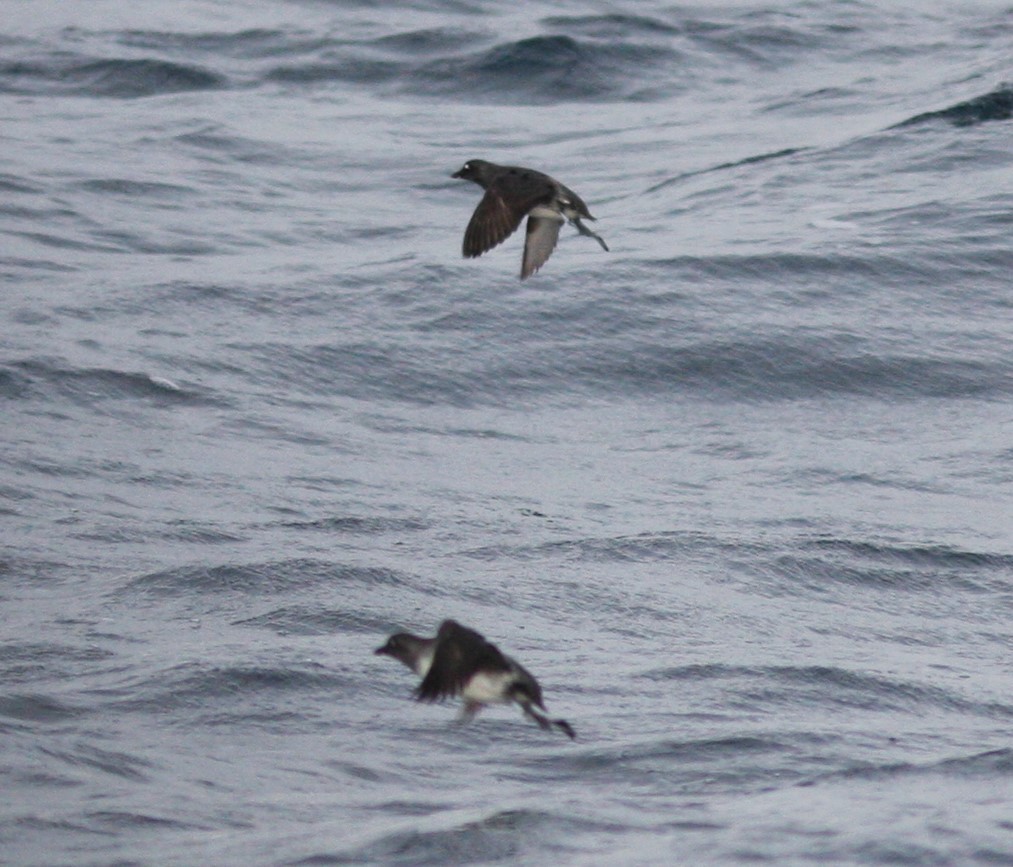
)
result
[(471, 170)]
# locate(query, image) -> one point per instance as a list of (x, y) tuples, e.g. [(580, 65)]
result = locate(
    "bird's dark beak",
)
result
[(381, 651), (456, 174)]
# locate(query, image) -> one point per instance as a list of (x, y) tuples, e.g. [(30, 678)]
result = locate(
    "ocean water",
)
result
[(738, 491)]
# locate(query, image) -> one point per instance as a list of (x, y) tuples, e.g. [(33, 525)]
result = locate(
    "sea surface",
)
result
[(739, 492)]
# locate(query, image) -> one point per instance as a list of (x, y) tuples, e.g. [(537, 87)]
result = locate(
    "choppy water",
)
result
[(738, 491)]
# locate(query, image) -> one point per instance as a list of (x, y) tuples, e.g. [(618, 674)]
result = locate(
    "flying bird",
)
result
[(459, 661), (511, 194)]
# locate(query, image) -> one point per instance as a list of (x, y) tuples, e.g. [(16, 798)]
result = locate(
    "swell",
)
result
[(996, 105), (118, 78)]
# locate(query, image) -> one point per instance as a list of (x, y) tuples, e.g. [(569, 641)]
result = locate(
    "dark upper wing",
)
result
[(505, 203), (460, 652)]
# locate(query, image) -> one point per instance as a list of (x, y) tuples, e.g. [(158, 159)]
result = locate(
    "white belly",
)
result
[(487, 688), (544, 212)]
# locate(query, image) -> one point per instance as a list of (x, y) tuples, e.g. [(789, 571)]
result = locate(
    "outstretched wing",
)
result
[(542, 235), (505, 203), (459, 653)]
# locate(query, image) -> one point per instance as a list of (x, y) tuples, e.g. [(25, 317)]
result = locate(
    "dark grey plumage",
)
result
[(512, 193), (459, 661)]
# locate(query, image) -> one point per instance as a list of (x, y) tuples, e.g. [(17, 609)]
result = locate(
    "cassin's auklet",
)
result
[(512, 193), (459, 661)]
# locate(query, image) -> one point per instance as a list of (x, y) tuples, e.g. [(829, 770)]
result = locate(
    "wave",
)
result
[(538, 70), (579, 58), (828, 686), (261, 579), (461, 836), (617, 352), (993, 106), (88, 386), (120, 78)]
